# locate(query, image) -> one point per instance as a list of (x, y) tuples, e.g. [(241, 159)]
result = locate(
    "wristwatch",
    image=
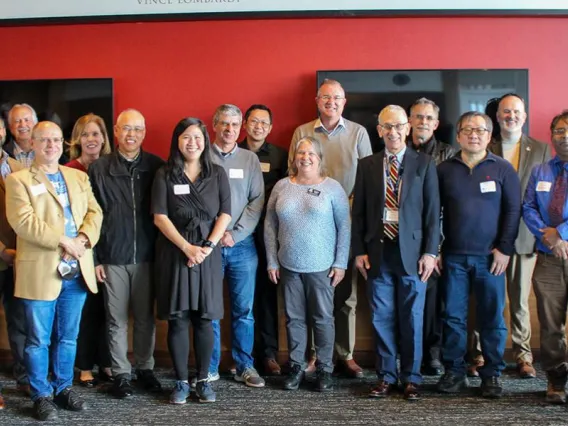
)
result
[(208, 243)]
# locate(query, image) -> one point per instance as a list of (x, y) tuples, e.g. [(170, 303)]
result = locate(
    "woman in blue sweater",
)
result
[(307, 234)]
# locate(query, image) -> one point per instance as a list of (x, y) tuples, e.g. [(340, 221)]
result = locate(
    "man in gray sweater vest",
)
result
[(344, 143), (239, 256)]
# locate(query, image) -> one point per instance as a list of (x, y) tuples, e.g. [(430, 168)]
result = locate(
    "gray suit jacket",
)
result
[(532, 153)]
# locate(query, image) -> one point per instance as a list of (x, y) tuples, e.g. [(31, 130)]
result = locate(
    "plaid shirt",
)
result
[(4, 166), (26, 158)]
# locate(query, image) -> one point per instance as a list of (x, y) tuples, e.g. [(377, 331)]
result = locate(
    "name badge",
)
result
[(488, 186), (38, 189), (236, 174), (390, 216), (265, 167), (181, 189), (543, 186), (314, 192)]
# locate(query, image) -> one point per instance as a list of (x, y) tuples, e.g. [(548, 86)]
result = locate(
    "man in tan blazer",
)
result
[(523, 153), (13, 309), (57, 221)]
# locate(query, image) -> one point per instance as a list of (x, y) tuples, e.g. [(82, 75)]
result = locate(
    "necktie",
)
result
[(391, 199), (556, 206)]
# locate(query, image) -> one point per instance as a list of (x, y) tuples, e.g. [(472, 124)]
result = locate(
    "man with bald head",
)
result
[(344, 143), (21, 119), (57, 221), (395, 237), (523, 153), (122, 183)]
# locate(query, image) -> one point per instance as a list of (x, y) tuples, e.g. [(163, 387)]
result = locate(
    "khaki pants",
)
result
[(550, 281)]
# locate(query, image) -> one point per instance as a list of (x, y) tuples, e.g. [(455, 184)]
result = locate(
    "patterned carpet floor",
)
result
[(522, 404)]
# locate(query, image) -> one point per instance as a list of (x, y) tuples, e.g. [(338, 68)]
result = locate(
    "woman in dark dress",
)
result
[(191, 203)]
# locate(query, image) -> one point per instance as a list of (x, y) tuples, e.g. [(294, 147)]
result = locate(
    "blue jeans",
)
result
[(397, 309), (239, 268), (462, 275), (61, 317)]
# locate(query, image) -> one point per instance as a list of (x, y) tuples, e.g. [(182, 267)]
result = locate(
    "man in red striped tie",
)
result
[(395, 237)]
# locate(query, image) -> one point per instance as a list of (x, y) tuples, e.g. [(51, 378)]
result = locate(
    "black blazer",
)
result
[(419, 210)]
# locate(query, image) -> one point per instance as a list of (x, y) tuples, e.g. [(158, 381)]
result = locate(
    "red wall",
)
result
[(176, 69)]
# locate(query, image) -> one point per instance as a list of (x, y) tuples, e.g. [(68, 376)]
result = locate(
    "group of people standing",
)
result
[(423, 225)]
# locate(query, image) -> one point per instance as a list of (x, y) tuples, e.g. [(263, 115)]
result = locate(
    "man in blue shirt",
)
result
[(480, 195), (545, 211)]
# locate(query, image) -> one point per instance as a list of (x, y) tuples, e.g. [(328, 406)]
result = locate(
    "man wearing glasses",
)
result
[(545, 211), (480, 195), (395, 238), (424, 121), (345, 143), (274, 166), (122, 183)]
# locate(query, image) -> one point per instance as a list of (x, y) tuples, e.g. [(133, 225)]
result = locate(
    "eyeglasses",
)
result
[(399, 127), (254, 122), (421, 117), (47, 140), (329, 98), (479, 131), (561, 131), (136, 129)]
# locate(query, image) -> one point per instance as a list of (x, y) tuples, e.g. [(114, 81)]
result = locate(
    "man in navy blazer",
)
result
[(395, 238)]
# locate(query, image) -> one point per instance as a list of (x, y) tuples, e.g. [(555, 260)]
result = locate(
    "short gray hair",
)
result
[(330, 82), (28, 106), (227, 109), (318, 148), (426, 101), (392, 108)]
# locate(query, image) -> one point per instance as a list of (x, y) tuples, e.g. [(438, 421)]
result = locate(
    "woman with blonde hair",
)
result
[(89, 140)]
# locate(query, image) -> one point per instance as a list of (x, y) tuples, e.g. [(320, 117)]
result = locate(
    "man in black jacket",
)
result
[(122, 183), (424, 115)]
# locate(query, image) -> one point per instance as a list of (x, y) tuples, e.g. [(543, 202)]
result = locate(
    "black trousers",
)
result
[(16, 324), (178, 344), (92, 344), (265, 307), (432, 337)]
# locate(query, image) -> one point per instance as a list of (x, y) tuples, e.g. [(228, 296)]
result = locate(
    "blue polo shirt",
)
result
[(481, 206), (537, 200)]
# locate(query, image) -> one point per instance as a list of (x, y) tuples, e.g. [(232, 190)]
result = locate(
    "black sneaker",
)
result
[(324, 381), (121, 387), (147, 380), (45, 409), (452, 383), (294, 378), (70, 400), (491, 387)]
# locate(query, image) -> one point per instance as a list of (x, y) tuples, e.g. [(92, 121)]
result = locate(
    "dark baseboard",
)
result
[(365, 359)]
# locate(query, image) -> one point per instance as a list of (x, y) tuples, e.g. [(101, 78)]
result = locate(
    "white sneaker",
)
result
[(211, 377)]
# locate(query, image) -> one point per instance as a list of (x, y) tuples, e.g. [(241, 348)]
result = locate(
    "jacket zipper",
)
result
[(134, 214)]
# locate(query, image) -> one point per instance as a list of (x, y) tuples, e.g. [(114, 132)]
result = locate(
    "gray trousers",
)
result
[(308, 298), (130, 286), (550, 283)]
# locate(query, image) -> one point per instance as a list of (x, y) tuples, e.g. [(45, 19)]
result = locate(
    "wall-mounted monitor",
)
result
[(454, 91), (62, 100)]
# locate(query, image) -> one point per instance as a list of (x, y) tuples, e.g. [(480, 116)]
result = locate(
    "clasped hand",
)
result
[(73, 248), (196, 255)]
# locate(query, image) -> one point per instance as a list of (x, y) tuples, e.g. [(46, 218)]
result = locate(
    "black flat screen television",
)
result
[(61, 100), (454, 91)]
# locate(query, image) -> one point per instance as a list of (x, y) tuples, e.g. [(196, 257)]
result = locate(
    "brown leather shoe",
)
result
[(382, 390), (411, 392), (526, 370), (25, 389), (352, 369), (472, 368), (2, 403), (271, 367), (556, 392), (311, 368)]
